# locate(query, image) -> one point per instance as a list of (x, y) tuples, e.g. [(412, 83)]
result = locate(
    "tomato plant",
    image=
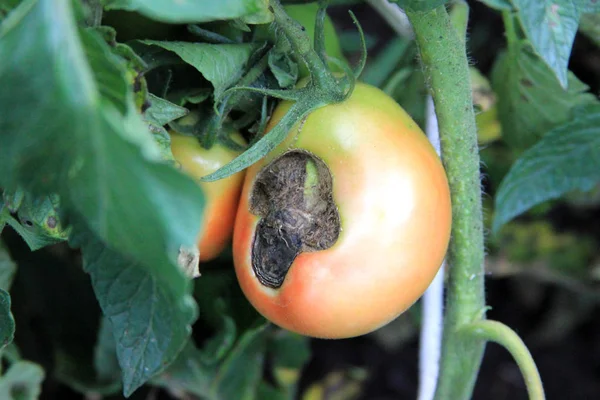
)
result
[(354, 201), (133, 132), (221, 196)]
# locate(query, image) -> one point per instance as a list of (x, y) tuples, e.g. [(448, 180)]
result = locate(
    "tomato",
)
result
[(343, 226), (222, 196)]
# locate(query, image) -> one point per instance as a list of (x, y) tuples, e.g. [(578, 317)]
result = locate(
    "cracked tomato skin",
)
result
[(393, 199), (222, 196)]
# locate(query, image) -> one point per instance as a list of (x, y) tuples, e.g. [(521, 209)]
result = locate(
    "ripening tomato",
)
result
[(222, 196), (343, 226)]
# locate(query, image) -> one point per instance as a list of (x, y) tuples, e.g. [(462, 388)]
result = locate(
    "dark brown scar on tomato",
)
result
[(293, 197)]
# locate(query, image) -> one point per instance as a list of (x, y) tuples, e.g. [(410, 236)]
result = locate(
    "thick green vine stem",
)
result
[(445, 64), (498, 332)]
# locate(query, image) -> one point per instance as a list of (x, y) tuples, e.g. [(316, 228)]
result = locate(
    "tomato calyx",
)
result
[(293, 195), (324, 87)]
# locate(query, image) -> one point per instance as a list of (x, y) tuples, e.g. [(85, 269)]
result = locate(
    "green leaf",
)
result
[(39, 224), (263, 16), (162, 111), (283, 68), (104, 165), (215, 349), (289, 354), (163, 140), (237, 377), (8, 268), (22, 381), (221, 64), (192, 11), (130, 65), (7, 322), (32, 235), (566, 159), (241, 372), (187, 373), (13, 199), (588, 6), (530, 99), (150, 323), (289, 350), (218, 286), (42, 214), (108, 71), (419, 5), (551, 26)]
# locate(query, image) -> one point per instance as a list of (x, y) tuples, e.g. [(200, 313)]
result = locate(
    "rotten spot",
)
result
[(51, 222), (293, 195)]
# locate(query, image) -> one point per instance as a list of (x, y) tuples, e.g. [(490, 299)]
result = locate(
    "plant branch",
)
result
[(302, 46), (446, 68), (394, 16), (322, 89), (432, 302), (499, 333)]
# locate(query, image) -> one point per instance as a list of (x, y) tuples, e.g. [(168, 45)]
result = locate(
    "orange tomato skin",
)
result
[(222, 196), (393, 199)]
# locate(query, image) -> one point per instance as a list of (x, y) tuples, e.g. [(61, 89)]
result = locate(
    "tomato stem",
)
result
[(303, 48), (323, 89), (510, 28), (224, 105), (498, 332), (445, 64)]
